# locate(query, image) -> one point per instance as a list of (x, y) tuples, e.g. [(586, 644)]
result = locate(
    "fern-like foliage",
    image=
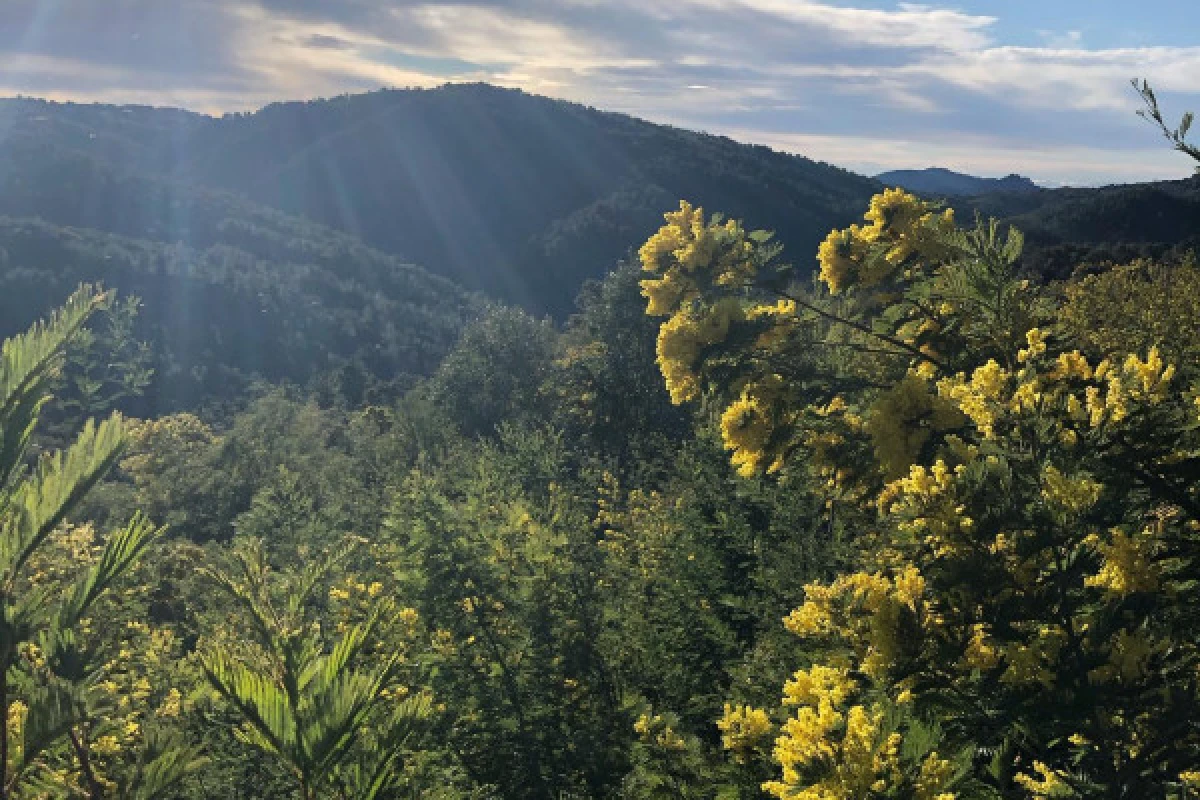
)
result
[(309, 700), (43, 711)]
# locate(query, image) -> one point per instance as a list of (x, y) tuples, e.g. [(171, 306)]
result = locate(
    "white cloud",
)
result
[(481, 34), (279, 52), (1070, 40), (1074, 79), (911, 25)]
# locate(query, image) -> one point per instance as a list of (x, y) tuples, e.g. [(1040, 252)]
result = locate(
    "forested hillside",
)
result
[(521, 196), (1069, 228), (232, 292), (516, 195), (259, 305)]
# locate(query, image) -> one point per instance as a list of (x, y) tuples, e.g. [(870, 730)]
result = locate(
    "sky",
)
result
[(1038, 87)]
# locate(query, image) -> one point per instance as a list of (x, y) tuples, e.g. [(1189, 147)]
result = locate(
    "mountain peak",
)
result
[(942, 181)]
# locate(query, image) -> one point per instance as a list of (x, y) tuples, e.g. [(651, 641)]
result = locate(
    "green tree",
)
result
[(106, 369), (48, 672), (603, 387), (331, 706), (1133, 307), (496, 551), (1017, 618), (495, 372)]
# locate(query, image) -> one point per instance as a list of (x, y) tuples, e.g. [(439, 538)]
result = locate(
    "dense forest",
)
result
[(284, 516)]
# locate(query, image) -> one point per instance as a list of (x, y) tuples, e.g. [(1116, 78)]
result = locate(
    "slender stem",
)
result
[(858, 326), (95, 790)]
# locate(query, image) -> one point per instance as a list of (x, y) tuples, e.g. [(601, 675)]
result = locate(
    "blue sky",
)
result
[(991, 87)]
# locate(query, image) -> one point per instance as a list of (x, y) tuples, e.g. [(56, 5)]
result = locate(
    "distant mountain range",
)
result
[(352, 237), (519, 196), (936, 180)]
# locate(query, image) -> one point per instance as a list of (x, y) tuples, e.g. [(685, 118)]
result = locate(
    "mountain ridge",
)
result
[(939, 180), (518, 196), (473, 182)]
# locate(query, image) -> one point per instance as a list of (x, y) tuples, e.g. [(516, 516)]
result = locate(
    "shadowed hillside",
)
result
[(520, 196), (232, 291)]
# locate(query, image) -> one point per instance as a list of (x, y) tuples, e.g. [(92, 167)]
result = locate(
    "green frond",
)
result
[(49, 717), (165, 760), (368, 783), (24, 611), (14, 441), (404, 718), (311, 707), (248, 590), (56, 486), (261, 702), (120, 552), (324, 671), (28, 363), (330, 722), (28, 360), (67, 657)]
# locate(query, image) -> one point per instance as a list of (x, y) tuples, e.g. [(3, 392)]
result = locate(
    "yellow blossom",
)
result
[(1127, 567), (1149, 379), (1037, 345), (935, 775), (1047, 784), (836, 256), (1071, 365), (820, 683), (743, 728), (809, 619), (979, 398), (105, 746), (1073, 495), (171, 704)]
